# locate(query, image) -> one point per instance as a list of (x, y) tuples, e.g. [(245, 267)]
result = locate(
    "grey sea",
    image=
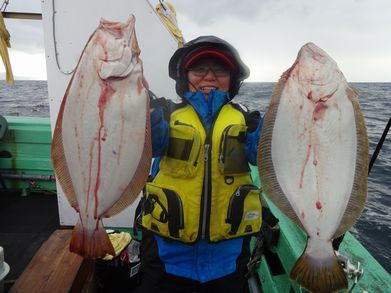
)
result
[(373, 229)]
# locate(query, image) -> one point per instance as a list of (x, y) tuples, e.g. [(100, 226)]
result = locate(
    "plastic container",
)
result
[(4, 269), (122, 274)]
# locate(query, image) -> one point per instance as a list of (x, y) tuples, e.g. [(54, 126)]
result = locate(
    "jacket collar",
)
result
[(207, 109)]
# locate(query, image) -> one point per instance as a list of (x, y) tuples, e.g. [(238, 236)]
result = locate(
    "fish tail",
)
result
[(325, 275), (91, 244)]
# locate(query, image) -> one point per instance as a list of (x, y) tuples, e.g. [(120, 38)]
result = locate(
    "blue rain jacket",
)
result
[(202, 261)]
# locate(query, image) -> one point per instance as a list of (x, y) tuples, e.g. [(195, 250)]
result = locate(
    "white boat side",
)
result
[(67, 27)]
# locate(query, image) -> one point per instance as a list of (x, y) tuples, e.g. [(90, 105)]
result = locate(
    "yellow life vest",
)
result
[(204, 187)]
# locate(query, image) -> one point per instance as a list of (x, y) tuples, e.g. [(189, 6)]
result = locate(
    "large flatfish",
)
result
[(101, 149), (313, 161)]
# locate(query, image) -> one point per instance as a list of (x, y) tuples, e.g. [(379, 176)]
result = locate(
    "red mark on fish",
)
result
[(318, 114), (321, 107), (76, 207), (319, 111), (318, 205), (305, 163), (106, 92), (314, 146)]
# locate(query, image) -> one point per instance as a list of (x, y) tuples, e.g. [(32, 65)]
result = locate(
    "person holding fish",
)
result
[(200, 205)]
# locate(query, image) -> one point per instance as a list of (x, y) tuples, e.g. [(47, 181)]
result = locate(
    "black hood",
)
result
[(178, 73)]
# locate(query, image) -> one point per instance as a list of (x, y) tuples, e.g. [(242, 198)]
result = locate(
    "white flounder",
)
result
[(313, 161), (101, 147)]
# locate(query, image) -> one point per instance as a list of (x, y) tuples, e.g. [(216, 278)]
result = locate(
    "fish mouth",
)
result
[(119, 66)]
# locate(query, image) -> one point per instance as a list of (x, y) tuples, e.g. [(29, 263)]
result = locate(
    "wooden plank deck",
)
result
[(55, 269)]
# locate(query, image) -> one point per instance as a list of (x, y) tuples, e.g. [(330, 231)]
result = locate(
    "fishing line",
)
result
[(4, 6), (54, 12), (379, 145)]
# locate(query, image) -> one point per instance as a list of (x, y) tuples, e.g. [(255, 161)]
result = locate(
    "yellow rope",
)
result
[(4, 44), (167, 13)]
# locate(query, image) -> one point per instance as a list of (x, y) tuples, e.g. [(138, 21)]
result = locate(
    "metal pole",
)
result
[(379, 145), (254, 285), (22, 15), (28, 177)]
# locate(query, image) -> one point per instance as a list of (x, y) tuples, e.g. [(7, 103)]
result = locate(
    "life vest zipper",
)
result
[(238, 193), (206, 191), (205, 213)]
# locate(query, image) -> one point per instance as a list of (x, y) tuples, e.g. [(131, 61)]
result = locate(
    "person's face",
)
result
[(208, 74)]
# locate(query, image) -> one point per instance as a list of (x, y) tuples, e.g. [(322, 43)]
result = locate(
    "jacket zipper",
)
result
[(207, 188), (206, 191)]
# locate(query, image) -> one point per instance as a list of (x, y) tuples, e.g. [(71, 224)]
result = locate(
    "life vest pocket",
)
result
[(163, 212), (184, 147), (232, 159), (244, 211)]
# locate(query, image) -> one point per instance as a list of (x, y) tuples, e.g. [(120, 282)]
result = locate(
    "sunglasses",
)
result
[(202, 70)]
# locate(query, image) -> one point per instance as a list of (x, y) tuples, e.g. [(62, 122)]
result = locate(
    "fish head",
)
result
[(120, 48), (317, 73)]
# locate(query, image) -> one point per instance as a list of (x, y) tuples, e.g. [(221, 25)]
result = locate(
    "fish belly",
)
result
[(105, 138), (314, 158)]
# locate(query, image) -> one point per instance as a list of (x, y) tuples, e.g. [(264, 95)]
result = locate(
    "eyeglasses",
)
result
[(202, 70)]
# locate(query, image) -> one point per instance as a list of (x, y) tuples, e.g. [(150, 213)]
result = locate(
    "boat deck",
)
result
[(25, 223)]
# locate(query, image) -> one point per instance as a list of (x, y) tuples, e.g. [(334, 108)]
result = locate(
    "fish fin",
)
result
[(321, 276), (140, 177), (268, 178), (58, 157), (359, 191), (91, 244)]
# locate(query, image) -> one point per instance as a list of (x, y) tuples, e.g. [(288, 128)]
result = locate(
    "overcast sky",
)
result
[(267, 33)]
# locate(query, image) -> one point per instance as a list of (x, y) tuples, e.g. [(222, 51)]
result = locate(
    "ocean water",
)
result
[(24, 98), (373, 229)]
